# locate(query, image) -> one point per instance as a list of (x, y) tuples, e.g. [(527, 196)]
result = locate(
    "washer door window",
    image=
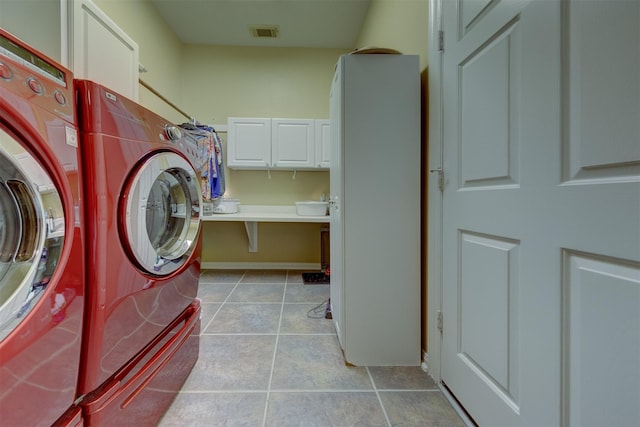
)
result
[(30, 236), (162, 213)]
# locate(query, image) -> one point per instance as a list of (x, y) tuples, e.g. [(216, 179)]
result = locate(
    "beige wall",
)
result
[(160, 52), (281, 243), (227, 81), (397, 24), (212, 83), (37, 22), (223, 81)]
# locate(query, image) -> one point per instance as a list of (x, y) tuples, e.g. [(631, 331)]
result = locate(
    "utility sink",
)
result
[(311, 208)]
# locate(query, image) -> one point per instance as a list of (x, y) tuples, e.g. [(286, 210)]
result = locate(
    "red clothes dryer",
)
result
[(143, 248), (41, 239)]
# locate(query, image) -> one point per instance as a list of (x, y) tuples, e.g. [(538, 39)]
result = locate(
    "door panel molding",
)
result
[(601, 314), (590, 60), (488, 316), (489, 137)]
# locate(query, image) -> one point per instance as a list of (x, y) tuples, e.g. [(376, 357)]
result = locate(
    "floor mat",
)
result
[(315, 278)]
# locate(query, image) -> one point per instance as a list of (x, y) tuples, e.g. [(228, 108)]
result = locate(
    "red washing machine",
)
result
[(41, 240), (143, 249)]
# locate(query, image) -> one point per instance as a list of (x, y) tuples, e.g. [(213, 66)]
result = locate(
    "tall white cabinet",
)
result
[(375, 208)]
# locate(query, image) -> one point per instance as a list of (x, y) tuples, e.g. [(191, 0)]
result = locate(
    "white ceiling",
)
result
[(301, 23)]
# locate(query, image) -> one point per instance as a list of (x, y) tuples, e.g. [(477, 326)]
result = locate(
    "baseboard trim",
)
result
[(260, 266), (425, 362)]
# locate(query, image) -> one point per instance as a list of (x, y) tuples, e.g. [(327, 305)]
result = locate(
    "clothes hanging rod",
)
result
[(159, 95)]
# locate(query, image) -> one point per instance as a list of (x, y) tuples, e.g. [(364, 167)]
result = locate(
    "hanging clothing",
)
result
[(210, 163)]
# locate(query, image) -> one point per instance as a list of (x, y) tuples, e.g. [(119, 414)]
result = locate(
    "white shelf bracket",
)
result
[(252, 234)]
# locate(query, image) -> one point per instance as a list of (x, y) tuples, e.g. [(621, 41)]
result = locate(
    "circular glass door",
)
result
[(162, 213), (31, 231)]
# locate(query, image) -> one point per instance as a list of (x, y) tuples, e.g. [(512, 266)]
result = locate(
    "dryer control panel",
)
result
[(34, 76)]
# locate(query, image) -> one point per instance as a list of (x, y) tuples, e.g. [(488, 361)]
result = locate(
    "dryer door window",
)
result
[(162, 213), (29, 242)]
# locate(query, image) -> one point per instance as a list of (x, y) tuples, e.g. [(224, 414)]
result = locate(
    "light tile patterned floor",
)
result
[(267, 360)]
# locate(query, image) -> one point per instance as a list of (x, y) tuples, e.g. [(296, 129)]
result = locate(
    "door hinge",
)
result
[(440, 173), (441, 41), (440, 317)]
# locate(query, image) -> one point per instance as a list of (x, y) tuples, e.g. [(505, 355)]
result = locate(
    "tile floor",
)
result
[(266, 360)]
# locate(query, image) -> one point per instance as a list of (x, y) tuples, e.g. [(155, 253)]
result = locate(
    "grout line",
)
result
[(284, 390), (303, 390), (236, 334), (408, 390), (275, 352), (269, 391), (222, 304), (251, 391), (304, 334), (252, 302), (314, 303), (262, 283), (320, 390), (384, 411)]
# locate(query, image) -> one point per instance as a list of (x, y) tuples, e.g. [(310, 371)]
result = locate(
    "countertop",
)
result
[(265, 213)]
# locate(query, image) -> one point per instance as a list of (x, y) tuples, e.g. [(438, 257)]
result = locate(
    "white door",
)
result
[(541, 211), (101, 51), (335, 210)]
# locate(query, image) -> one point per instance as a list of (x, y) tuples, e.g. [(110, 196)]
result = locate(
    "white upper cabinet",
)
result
[(323, 143), (249, 143), (292, 143), (288, 144)]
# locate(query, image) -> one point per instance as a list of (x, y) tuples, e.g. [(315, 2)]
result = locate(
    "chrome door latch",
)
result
[(440, 177)]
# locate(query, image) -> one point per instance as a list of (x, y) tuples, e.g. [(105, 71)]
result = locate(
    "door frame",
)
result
[(434, 195), (435, 181)]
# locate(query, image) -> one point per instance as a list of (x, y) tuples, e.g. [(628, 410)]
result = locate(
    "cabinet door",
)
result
[(292, 143), (249, 143), (323, 144), (101, 51)]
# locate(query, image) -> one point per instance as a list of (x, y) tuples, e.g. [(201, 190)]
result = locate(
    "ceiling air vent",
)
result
[(264, 31)]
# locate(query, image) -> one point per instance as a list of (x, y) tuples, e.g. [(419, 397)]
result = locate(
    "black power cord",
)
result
[(320, 311)]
